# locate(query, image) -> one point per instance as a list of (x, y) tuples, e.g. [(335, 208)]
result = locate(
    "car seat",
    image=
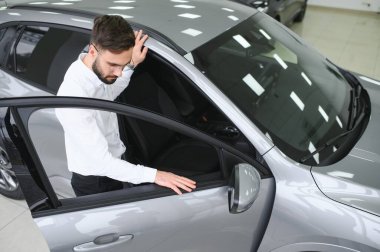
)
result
[(158, 146)]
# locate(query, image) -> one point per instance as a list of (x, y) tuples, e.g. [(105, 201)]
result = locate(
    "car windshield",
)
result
[(292, 93)]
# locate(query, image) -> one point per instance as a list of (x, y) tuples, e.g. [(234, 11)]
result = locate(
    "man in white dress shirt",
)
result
[(93, 145)]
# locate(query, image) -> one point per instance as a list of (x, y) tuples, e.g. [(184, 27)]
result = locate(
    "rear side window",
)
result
[(2, 45), (27, 44), (43, 54)]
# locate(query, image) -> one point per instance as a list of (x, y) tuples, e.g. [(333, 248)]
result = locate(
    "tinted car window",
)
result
[(2, 31), (43, 54), (298, 98), (27, 44), (2, 45)]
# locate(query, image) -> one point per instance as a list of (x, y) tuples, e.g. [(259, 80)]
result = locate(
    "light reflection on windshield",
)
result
[(290, 91)]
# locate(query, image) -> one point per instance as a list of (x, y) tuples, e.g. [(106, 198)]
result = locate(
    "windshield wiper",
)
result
[(357, 120), (354, 106), (356, 110)]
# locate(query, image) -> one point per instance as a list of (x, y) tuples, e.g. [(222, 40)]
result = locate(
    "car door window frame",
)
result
[(24, 107), (20, 27), (159, 59)]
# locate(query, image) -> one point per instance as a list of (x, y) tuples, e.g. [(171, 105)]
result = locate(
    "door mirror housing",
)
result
[(243, 188)]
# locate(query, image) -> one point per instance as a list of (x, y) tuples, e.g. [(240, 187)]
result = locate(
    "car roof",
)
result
[(187, 23)]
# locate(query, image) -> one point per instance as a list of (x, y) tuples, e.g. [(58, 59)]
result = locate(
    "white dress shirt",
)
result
[(93, 145)]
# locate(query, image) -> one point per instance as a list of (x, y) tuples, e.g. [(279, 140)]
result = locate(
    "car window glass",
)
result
[(2, 31), (2, 46), (25, 47), (146, 144), (43, 54), (48, 139), (297, 98)]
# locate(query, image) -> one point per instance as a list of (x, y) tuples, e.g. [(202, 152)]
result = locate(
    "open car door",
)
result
[(228, 211)]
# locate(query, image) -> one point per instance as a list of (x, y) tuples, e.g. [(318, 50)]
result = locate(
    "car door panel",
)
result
[(143, 218), (197, 221)]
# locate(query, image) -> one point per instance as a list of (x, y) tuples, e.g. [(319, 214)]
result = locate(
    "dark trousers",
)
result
[(86, 185)]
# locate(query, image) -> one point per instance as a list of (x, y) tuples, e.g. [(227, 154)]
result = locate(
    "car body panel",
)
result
[(354, 180), (10, 87), (303, 214), (203, 19), (20, 15), (197, 221)]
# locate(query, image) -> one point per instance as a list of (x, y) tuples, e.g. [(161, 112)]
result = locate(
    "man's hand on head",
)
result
[(139, 50), (174, 182)]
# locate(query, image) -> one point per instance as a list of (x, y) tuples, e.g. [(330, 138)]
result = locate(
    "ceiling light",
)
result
[(253, 84), (233, 18), (184, 6), (192, 32), (297, 101), (121, 7), (189, 15)]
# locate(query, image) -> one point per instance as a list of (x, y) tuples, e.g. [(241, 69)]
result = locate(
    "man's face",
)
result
[(109, 65)]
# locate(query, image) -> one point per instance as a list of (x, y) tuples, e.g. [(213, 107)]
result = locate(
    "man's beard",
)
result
[(100, 75)]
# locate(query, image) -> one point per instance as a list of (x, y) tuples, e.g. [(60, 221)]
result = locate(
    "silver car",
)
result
[(284, 11), (283, 144)]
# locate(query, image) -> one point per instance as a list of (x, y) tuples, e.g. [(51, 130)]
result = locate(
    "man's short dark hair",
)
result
[(112, 32)]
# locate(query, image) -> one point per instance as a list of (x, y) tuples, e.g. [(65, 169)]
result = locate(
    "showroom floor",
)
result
[(350, 39), (18, 233)]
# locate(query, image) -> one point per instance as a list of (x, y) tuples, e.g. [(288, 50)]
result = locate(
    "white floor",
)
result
[(350, 39), (18, 233)]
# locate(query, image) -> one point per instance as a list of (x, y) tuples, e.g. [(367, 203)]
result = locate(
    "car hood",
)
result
[(354, 180)]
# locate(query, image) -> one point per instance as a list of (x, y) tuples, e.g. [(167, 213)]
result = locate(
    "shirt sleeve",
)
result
[(121, 83), (83, 134)]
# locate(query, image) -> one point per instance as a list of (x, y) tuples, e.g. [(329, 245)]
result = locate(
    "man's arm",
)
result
[(138, 55), (139, 50), (83, 135)]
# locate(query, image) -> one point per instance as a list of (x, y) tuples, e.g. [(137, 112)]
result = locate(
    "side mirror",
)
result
[(243, 188)]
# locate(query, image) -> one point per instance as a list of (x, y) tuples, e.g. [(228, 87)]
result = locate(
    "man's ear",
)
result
[(92, 51)]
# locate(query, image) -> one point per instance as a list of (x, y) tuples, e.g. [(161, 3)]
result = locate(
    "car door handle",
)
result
[(103, 242)]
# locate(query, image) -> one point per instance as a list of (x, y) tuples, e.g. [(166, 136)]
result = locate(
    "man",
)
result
[(93, 145)]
